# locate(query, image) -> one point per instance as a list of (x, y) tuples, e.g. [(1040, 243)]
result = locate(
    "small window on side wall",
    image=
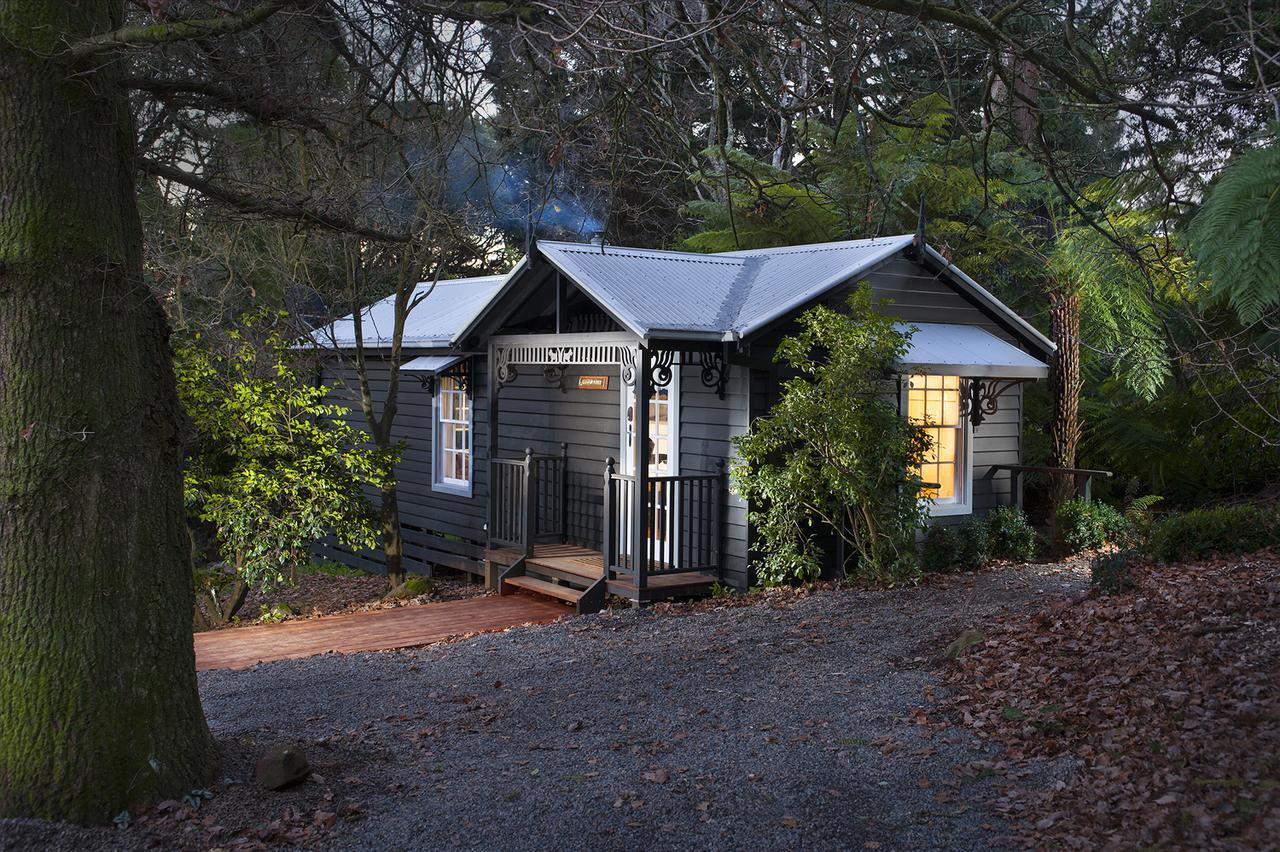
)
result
[(453, 461), (933, 404)]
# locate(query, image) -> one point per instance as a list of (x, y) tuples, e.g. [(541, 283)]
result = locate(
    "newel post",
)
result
[(717, 514), (564, 492), (607, 544), (530, 511)]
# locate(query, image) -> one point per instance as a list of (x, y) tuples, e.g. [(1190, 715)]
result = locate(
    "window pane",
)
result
[(950, 408), (946, 480), (933, 408), (946, 444)]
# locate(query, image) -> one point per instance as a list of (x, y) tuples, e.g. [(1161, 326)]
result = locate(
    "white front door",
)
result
[(662, 455)]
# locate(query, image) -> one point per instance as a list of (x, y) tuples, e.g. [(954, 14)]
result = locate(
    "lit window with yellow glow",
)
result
[(933, 403)]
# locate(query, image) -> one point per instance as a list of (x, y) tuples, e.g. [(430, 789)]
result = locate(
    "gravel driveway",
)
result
[(784, 724)]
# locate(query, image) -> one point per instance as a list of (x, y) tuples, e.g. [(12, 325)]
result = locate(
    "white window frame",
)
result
[(673, 401), (440, 482), (962, 503)]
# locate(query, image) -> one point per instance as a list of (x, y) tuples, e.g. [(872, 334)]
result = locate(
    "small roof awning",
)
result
[(433, 364), (967, 350)]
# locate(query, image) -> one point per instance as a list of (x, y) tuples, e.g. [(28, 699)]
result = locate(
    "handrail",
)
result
[(1083, 478), (519, 490), (1073, 471)]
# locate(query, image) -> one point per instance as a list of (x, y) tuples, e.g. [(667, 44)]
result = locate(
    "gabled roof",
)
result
[(652, 292), (726, 295), (436, 322)]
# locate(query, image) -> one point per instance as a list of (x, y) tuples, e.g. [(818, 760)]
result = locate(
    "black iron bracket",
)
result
[(660, 371), (980, 398), (715, 370), (554, 374)]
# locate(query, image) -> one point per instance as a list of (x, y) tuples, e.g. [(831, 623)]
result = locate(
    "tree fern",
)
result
[(1235, 236)]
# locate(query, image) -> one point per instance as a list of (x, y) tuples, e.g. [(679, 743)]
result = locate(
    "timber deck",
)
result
[(381, 630), (561, 558)]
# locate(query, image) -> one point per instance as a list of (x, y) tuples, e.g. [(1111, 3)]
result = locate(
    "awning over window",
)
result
[(433, 364), (967, 350)]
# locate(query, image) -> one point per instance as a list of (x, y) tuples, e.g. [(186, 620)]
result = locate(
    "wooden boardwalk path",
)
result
[(382, 630)]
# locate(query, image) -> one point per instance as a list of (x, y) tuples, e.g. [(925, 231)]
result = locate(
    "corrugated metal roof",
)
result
[(430, 363), (967, 350), (737, 292), (436, 321)]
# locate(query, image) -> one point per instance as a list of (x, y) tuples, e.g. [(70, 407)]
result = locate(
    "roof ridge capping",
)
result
[(865, 242), (608, 250), (470, 279)]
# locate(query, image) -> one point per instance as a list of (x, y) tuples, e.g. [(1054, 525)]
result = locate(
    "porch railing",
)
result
[(680, 518), (528, 499)]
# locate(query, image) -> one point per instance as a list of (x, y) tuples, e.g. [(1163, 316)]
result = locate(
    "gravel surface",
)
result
[(788, 723)]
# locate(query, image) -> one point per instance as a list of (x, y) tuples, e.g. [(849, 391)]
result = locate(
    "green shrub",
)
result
[(1110, 572), (274, 614), (1011, 535), (1141, 519), (834, 455), (414, 586), (957, 548), (1085, 525), (1222, 529)]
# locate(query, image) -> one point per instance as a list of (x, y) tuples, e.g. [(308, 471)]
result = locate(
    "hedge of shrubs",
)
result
[(1006, 533), (1221, 529)]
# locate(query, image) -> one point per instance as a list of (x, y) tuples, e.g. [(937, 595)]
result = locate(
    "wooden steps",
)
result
[(575, 575), (563, 572), (567, 594)]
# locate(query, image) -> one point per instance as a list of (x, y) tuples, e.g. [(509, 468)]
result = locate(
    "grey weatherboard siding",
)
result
[(448, 529)]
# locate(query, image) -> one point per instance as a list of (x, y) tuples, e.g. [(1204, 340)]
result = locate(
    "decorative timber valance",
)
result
[(553, 353)]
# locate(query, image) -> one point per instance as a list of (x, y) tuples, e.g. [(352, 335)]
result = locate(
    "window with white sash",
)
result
[(933, 404), (453, 435)]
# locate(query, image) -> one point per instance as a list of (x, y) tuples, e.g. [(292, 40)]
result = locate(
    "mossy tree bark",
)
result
[(98, 703)]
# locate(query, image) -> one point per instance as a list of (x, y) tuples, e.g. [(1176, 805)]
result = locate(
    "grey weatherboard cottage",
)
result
[(523, 459)]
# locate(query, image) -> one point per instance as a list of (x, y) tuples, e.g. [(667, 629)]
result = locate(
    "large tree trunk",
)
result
[(1064, 389), (392, 538), (98, 703)]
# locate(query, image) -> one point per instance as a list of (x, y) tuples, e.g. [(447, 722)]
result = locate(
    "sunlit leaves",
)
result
[(273, 467)]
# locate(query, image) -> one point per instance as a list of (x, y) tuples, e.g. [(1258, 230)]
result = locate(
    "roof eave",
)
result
[(978, 371), (985, 295)]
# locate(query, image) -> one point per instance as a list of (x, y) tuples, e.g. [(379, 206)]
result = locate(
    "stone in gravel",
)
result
[(281, 767), (966, 640)]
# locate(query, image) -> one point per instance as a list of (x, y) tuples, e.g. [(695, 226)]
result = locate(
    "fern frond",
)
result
[(1235, 235)]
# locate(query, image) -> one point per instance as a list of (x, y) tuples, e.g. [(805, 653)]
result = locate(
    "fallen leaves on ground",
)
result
[(1168, 697), (319, 594)]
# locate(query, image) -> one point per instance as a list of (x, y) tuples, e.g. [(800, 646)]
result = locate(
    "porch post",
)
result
[(491, 453), (640, 465), (609, 555), (564, 492)]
